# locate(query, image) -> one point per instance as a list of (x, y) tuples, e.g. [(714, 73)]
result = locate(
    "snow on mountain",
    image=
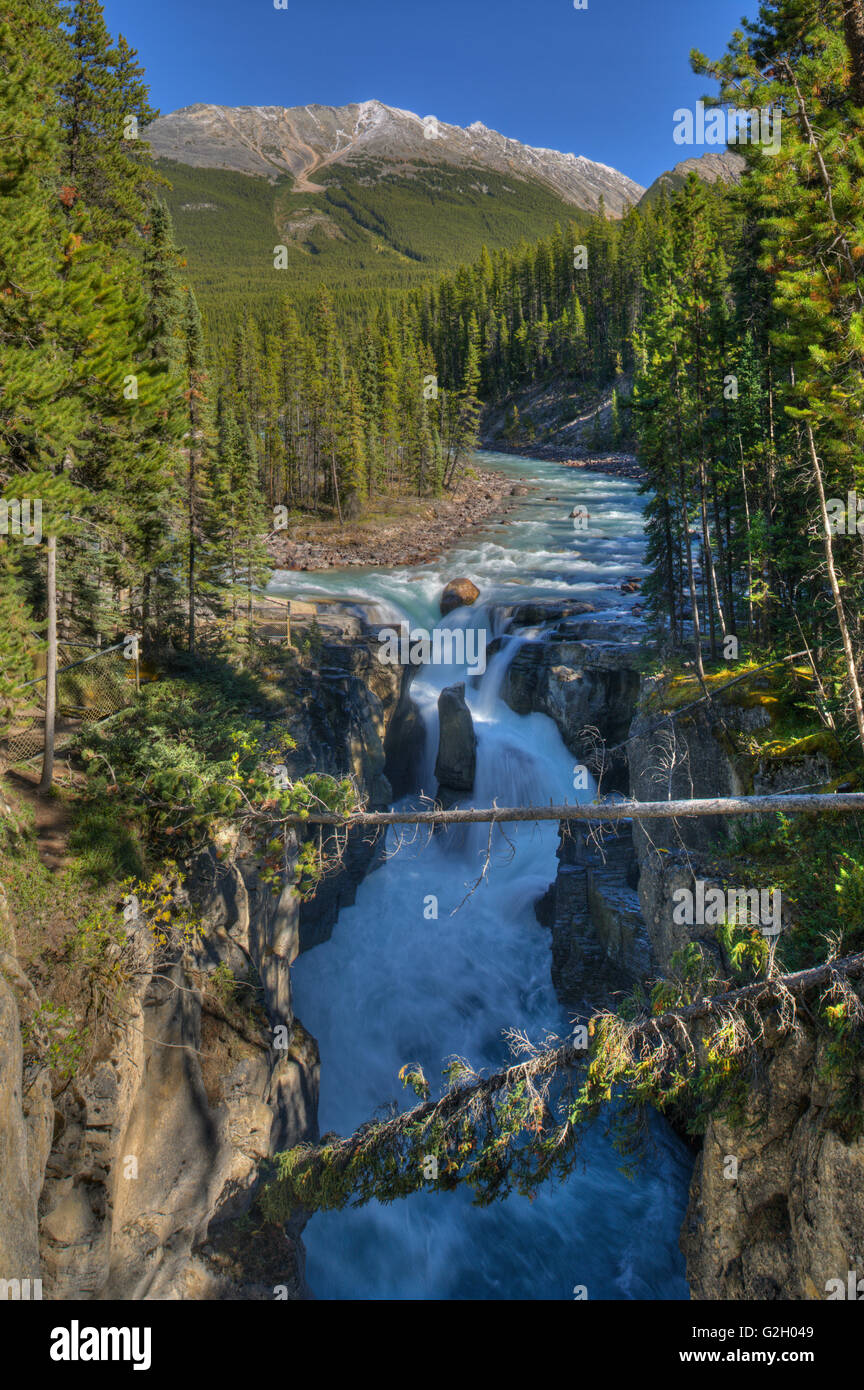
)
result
[(269, 141)]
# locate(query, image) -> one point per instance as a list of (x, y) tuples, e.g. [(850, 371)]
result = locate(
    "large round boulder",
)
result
[(458, 593)]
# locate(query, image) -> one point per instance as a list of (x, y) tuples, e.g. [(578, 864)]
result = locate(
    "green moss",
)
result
[(793, 749)]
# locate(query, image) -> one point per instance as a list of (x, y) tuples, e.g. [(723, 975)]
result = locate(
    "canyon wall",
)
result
[(133, 1178), (775, 1208)]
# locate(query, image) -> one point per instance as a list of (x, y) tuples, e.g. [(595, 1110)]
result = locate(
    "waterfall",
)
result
[(438, 958)]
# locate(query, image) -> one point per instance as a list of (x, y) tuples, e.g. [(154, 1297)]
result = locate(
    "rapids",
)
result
[(395, 985)]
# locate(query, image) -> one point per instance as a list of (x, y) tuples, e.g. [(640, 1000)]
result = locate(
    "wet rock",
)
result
[(160, 1141), (456, 764), (547, 610), (580, 685), (404, 746), (599, 939), (458, 593)]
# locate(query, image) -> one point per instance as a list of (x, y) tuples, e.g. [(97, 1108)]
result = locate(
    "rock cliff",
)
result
[(133, 1177), (775, 1209)]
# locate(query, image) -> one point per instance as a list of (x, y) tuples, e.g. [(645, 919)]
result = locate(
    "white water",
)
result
[(392, 986)]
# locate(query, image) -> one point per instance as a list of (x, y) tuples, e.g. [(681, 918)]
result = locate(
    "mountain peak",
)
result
[(271, 141)]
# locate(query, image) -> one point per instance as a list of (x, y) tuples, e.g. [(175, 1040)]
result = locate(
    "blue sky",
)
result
[(603, 82)]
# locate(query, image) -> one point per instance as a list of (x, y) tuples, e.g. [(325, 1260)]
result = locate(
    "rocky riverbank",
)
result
[(411, 532), (615, 464)]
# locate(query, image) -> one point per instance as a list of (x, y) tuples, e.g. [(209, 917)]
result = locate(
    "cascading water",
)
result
[(397, 984)]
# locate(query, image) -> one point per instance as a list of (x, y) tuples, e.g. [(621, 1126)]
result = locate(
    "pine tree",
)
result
[(105, 108), (807, 198), (64, 322), (197, 457)]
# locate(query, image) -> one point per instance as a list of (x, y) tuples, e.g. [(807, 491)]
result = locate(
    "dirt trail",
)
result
[(51, 817)]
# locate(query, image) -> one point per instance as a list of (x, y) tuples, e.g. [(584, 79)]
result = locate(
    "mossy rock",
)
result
[(793, 749)]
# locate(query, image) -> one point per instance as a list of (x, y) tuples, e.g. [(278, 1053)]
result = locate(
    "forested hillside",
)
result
[(739, 313), (736, 309), (193, 360), (364, 237)]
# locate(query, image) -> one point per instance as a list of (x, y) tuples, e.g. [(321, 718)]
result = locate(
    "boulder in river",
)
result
[(456, 764), (458, 593), (541, 610)]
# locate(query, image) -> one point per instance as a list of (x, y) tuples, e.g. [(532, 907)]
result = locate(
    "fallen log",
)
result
[(815, 803)]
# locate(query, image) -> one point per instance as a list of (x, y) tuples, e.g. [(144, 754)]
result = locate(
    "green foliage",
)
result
[(367, 238), (512, 1132), (223, 983), (104, 843), (751, 338), (818, 865), (189, 758), (51, 1036)]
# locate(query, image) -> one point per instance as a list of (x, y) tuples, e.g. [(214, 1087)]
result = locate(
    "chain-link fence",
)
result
[(89, 688)]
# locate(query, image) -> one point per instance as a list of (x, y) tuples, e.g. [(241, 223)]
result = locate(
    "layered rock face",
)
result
[(786, 1216), (697, 755), (132, 1180), (345, 723), (599, 941), (115, 1186), (26, 1127), (582, 675), (775, 1206)]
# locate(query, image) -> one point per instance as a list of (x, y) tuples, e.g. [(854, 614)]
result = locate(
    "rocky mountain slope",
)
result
[(716, 166), (303, 141)]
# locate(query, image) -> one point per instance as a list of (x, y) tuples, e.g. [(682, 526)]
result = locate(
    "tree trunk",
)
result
[(192, 547), (849, 654), (336, 486), (853, 27), (786, 803), (51, 669), (145, 612), (749, 548), (694, 601), (709, 584), (670, 572)]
